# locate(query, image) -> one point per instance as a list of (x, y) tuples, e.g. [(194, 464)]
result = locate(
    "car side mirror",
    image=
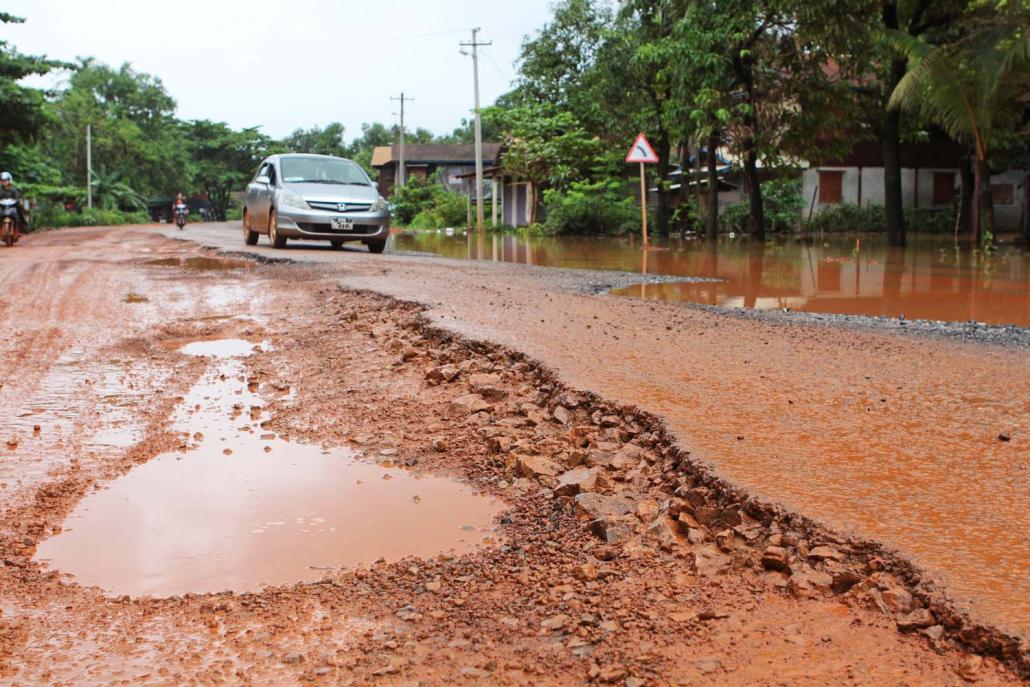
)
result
[(375, 185), (263, 180)]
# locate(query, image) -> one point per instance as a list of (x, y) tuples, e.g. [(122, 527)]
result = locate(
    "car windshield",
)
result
[(320, 170)]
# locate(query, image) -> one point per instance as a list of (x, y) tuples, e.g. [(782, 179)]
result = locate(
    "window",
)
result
[(831, 187), (1002, 194), (943, 187), (321, 170)]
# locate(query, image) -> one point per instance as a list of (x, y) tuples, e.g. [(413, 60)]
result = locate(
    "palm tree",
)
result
[(971, 87), (115, 194)]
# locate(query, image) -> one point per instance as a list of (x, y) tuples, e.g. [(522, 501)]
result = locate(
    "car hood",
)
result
[(335, 193)]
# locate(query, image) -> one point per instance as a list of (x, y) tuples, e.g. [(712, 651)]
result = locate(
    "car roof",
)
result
[(280, 156)]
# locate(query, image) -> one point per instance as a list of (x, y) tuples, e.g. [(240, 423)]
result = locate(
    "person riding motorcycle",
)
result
[(180, 199), (7, 190)]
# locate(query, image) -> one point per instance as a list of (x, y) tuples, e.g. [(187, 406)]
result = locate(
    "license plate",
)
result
[(341, 223)]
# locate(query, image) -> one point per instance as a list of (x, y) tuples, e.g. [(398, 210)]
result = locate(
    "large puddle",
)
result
[(841, 274), (242, 508)]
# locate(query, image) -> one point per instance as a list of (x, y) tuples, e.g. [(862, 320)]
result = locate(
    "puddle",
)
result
[(930, 279), (220, 348), (243, 508), (202, 263)]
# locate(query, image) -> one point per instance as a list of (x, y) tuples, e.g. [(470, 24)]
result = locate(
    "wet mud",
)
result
[(239, 508), (618, 559)]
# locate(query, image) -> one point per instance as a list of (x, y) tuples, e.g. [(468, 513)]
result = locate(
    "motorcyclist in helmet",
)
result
[(7, 190), (180, 199)]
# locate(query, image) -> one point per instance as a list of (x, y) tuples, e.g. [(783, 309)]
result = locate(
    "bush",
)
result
[(447, 210), (234, 214), (873, 219), (782, 204), (426, 204), (55, 217), (849, 217), (590, 208), (930, 221)]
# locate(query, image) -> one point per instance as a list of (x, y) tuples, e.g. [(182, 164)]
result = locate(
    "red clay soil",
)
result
[(618, 560)]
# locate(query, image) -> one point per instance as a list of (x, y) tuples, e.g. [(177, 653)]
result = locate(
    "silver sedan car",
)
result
[(317, 197)]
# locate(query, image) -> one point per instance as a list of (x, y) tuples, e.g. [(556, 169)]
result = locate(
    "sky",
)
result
[(288, 64)]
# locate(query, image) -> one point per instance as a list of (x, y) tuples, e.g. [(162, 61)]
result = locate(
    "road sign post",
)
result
[(643, 153)]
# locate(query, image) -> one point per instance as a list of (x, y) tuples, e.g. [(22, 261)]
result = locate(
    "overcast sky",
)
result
[(284, 64)]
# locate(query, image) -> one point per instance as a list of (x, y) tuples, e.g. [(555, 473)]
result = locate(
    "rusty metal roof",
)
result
[(438, 153)]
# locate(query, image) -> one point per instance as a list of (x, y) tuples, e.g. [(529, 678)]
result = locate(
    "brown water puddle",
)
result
[(930, 279), (243, 508), (202, 263)]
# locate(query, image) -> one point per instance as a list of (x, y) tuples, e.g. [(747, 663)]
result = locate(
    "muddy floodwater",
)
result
[(840, 274), (241, 508)]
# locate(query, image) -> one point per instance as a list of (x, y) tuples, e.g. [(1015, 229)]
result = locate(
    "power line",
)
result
[(496, 66)]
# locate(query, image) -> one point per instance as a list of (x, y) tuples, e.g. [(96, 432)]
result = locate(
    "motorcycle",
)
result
[(182, 214), (9, 221)]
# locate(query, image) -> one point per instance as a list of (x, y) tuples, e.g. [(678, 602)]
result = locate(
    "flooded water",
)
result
[(841, 274), (242, 508)]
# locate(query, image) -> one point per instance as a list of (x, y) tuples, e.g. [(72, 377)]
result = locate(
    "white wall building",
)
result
[(929, 179)]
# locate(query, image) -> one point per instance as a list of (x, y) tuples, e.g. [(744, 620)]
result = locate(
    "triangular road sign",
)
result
[(641, 151)]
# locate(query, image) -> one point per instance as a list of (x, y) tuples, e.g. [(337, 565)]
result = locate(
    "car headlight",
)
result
[(380, 205), (291, 199)]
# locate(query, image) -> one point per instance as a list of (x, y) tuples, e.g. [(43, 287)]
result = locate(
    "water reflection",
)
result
[(930, 279)]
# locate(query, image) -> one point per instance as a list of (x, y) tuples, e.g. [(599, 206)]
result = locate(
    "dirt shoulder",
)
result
[(622, 561)]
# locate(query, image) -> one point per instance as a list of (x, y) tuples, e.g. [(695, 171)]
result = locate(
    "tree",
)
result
[(556, 65), (22, 112), (760, 74), (547, 147), (134, 130), (113, 193), (973, 87), (914, 18), (317, 140), (223, 160)]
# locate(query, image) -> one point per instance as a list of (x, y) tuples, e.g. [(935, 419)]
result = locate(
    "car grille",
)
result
[(335, 207), (357, 229)]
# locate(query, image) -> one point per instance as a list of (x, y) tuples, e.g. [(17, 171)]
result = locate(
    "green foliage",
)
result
[(22, 110), (590, 208), (783, 203), (426, 204), (223, 160), (546, 146), (847, 217), (133, 129), (113, 193), (448, 210), (56, 217)]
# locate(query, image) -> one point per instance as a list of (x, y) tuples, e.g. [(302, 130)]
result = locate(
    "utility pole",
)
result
[(89, 166), (401, 170), (478, 128)]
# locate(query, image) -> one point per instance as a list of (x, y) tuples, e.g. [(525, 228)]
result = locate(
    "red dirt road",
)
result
[(895, 438), (93, 363)]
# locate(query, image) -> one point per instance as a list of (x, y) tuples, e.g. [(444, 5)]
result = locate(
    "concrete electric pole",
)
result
[(478, 127), (401, 170), (89, 166)]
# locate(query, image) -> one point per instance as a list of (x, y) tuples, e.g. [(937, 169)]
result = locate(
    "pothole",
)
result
[(243, 508), (201, 263)]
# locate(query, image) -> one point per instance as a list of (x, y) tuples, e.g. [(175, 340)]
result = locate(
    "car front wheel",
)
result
[(377, 246), (277, 239)]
